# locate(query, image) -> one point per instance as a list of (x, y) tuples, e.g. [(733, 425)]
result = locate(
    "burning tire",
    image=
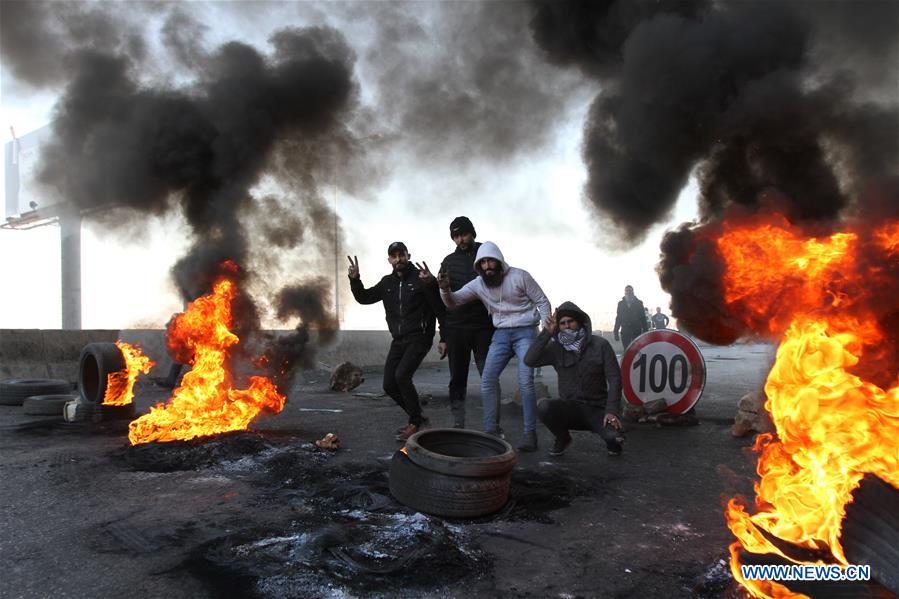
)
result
[(125, 412), (461, 452), (445, 495), (97, 362), (47, 405), (80, 410), (13, 392)]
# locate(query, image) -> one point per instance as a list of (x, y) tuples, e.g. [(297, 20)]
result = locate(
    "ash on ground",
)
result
[(378, 554), (247, 450), (320, 527)]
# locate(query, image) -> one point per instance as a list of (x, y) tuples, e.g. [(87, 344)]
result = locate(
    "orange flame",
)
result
[(832, 426), (206, 403), (120, 385)]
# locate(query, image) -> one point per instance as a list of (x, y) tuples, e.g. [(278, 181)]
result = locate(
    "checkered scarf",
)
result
[(571, 340)]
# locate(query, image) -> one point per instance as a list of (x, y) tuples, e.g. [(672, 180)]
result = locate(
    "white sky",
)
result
[(532, 208)]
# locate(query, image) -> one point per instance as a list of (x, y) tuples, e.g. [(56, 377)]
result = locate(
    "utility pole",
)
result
[(336, 262)]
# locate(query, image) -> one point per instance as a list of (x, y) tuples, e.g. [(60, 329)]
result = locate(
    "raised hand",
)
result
[(353, 270), (443, 280), (424, 273), (550, 323)]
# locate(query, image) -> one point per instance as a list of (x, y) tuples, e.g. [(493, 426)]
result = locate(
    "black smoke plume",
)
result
[(37, 38), (737, 92), (284, 353), (772, 105), (119, 143)]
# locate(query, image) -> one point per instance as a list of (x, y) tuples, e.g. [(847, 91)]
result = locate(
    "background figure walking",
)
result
[(630, 319)]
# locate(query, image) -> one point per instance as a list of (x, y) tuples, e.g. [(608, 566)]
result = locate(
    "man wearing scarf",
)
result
[(589, 380)]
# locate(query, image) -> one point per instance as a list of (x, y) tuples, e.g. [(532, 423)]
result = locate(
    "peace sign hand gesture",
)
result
[(353, 270), (424, 273), (550, 323)]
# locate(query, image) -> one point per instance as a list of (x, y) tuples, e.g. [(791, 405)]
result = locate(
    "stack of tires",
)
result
[(54, 397), (38, 397), (455, 473)]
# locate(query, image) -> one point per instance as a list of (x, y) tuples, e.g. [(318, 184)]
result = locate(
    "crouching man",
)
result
[(589, 380)]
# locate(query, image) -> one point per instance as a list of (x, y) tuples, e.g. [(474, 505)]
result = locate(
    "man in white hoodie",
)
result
[(513, 298)]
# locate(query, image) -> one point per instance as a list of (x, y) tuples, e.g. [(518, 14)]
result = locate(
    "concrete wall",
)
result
[(54, 353), (51, 353)]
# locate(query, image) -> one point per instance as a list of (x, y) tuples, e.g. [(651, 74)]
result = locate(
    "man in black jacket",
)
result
[(589, 379), (630, 319), (468, 328), (410, 306)]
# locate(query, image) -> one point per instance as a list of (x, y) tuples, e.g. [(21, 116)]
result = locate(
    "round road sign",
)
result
[(663, 364)]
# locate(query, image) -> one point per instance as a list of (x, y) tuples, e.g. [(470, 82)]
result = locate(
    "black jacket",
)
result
[(460, 267), (591, 376), (631, 318), (410, 307)]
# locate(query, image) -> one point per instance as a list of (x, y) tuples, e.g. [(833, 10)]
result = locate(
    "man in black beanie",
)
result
[(468, 328)]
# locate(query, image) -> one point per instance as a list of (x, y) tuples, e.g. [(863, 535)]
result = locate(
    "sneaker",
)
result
[(615, 447), (408, 431), (498, 433), (560, 445), (528, 442), (425, 423)]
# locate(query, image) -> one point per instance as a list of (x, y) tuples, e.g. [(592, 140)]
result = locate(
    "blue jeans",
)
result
[(516, 340)]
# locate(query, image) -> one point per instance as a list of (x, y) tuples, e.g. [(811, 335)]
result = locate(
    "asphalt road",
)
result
[(81, 520)]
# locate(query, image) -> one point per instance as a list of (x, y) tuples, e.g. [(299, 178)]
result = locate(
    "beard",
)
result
[(493, 280), (400, 267)]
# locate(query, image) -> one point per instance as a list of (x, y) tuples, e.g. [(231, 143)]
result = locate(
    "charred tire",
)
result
[(460, 452), (125, 412), (13, 392), (97, 362), (444, 495)]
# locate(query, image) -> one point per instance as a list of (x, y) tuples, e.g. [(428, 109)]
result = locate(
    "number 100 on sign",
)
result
[(663, 365)]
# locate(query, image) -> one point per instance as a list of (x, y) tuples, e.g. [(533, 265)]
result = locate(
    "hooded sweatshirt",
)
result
[(515, 302), (591, 376)]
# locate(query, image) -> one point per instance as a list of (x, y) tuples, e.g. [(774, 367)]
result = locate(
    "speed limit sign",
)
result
[(663, 364)]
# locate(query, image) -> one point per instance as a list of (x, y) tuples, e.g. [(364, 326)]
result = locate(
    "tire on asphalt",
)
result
[(13, 392), (444, 495), (97, 362), (47, 405), (461, 452)]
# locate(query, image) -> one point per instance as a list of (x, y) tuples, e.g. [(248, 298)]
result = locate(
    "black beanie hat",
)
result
[(461, 225)]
